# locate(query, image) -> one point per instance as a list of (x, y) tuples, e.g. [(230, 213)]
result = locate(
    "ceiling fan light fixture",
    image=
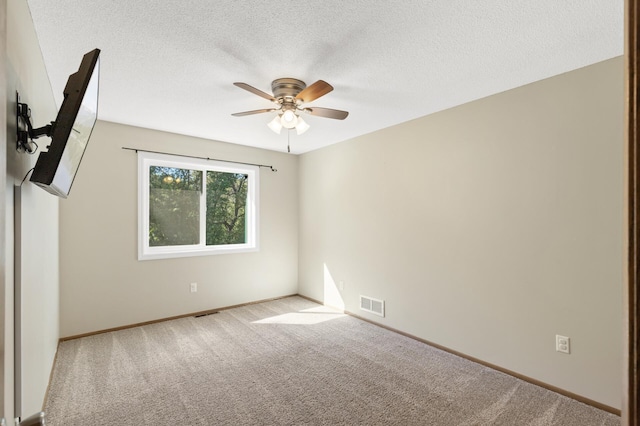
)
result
[(302, 126), (275, 124), (289, 119)]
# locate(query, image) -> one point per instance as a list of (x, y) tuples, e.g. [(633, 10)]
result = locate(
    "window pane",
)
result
[(226, 201), (174, 206)]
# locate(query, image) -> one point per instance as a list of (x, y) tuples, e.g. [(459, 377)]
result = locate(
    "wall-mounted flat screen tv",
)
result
[(56, 169)]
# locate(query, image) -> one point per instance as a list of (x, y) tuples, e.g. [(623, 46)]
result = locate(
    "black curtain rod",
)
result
[(201, 158)]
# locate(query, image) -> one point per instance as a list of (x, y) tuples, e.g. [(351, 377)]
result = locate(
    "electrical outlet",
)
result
[(563, 344), (341, 285), (194, 287)]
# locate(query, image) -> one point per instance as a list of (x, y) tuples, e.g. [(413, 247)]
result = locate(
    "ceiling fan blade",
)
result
[(253, 90), (327, 112), (255, 111), (313, 92)]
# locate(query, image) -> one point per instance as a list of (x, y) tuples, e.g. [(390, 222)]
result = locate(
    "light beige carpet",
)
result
[(288, 362)]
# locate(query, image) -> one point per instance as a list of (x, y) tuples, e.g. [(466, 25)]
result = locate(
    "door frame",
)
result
[(630, 394)]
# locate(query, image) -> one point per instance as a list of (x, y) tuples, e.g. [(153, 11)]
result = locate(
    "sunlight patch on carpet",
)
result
[(305, 317)]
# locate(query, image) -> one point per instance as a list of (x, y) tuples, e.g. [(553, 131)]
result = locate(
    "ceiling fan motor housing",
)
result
[(287, 87)]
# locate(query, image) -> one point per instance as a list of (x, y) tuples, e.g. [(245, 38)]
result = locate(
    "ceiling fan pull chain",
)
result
[(288, 141)]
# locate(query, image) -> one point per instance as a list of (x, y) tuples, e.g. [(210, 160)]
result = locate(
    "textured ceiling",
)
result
[(170, 65)]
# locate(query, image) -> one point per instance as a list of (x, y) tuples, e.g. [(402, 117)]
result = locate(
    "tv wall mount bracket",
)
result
[(25, 133)]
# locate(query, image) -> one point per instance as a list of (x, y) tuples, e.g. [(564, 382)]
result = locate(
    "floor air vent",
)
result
[(205, 314), (372, 305)]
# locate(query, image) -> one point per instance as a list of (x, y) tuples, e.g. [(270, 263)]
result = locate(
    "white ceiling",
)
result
[(170, 65)]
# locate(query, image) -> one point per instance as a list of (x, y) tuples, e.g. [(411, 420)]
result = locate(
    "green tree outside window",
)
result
[(174, 207)]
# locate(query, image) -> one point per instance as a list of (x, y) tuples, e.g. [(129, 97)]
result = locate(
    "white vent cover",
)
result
[(372, 305)]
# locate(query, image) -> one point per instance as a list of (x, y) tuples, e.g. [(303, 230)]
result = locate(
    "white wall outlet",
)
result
[(194, 287), (341, 285), (563, 344)]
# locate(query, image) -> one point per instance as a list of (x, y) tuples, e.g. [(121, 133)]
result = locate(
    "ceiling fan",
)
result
[(289, 95)]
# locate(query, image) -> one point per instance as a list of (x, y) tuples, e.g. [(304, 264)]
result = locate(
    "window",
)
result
[(193, 207)]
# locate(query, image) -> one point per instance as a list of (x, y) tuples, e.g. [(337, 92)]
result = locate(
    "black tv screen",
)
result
[(56, 169)]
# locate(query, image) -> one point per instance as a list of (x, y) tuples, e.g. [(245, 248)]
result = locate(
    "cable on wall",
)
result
[(200, 158), (25, 178)]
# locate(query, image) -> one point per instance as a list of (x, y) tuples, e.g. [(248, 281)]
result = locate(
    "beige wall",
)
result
[(487, 228), (103, 285), (6, 323), (36, 221)]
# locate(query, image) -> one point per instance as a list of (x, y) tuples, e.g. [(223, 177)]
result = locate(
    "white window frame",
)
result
[(148, 159)]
